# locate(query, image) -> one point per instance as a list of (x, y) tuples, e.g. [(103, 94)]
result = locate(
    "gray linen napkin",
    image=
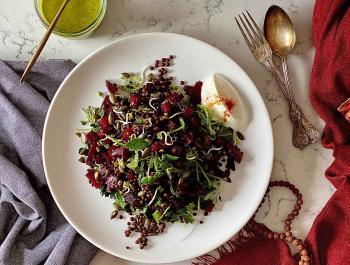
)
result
[(32, 229)]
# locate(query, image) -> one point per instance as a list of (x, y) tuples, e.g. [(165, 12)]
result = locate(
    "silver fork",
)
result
[(304, 133)]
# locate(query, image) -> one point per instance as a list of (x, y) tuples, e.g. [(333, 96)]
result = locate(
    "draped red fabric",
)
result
[(329, 237)]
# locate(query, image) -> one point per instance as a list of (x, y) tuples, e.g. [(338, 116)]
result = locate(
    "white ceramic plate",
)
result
[(83, 206)]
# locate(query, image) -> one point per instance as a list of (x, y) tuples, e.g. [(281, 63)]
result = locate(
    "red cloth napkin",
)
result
[(329, 237)]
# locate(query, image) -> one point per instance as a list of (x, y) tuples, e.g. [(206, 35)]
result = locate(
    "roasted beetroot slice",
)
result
[(174, 97), (171, 125), (91, 176), (104, 124), (112, 87), (131, 176), (92, 153), (166, 108), (187, 112), (106, 105), (194, 92), (127, 133), (92, 137), (135, 100), (118, 152), (156, 147), (107, 156), (188, 137), (197, 92)]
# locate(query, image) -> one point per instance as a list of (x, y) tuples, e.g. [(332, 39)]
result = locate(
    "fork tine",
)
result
[(252, 39), (244, 35), (261, 34), (256, 34)]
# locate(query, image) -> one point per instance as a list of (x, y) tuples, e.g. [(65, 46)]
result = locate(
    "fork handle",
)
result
[(304, 133)]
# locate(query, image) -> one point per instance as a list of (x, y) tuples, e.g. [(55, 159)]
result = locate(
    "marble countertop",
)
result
[(211, 21)]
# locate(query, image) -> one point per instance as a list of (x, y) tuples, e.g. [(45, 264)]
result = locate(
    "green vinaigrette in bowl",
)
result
[(79, 19)]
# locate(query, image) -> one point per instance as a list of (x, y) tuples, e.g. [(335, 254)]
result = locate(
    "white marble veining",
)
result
[(211, 21)]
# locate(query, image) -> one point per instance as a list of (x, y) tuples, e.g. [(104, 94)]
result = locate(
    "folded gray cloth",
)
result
[(32, 229)]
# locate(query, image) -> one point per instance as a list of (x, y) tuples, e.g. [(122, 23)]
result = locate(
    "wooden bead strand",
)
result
[(287, 235)]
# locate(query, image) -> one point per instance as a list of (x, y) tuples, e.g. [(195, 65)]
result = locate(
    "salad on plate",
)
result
[(159, 153)]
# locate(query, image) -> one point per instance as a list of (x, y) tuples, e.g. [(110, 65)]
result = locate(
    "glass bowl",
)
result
[(84, 33)]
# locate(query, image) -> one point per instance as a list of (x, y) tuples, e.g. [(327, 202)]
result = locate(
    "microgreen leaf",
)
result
[(134, 162), (119, 199), (137, 144), (181, 127)]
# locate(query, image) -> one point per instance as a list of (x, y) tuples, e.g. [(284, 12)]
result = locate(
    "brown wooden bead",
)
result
[(276, 235), (297, 207), (300, 247), (289, 239), (295, 213), (282, 236), (270, 235), (287, 222), (304, 252), (296, 242), (288, 234), (287, 228), (290, 217), (265, 233)]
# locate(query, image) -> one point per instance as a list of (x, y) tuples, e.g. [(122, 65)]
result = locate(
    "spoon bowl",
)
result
[(279, 31)]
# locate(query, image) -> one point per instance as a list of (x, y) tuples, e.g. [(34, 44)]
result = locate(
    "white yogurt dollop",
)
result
[(223, 99)]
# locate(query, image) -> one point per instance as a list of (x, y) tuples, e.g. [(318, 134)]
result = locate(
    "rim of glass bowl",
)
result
[(85, 32)]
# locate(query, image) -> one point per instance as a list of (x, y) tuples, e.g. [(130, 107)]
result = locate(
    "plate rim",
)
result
[(47, 118)]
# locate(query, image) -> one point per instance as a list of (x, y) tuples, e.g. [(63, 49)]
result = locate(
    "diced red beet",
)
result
[(188, 137), (92, 153), (156, 147), (112, 87), (220, 141), (107, 156), (135, 100), (194, 92), (187, 112), (106, 105), (107, 142), (197, 92), (174, 97), (92, 137), (91, 176), (195, 122), (104, 124), (118, 152), (100, 159), (100, 133), (165, 106), (131, 176), (171, 125), (208, 206), (127, 133), (235, 152), (207, 142)]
